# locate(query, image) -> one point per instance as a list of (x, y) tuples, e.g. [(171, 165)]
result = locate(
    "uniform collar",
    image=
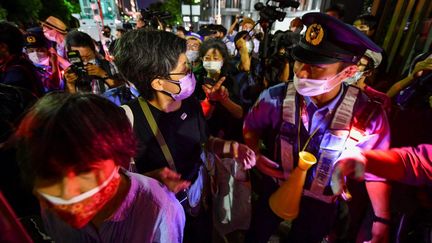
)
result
[(329, 106)]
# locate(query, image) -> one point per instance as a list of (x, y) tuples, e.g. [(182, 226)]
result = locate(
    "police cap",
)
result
[(329, 40), (34, 39)]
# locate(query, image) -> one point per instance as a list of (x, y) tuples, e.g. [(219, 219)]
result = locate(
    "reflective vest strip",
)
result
[(341, 121), (288, 115)]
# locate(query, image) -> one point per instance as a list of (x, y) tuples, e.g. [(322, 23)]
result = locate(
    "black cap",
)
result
[(35, 39), (329, 40)]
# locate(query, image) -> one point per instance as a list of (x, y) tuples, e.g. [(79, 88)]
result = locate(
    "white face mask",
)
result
[(40, 59), (192, 55), (81, 197), (314, 87), (355, 78), (212, 66)]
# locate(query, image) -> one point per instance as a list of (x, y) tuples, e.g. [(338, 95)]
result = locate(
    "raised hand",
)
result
[(420, 67), (217, 92)]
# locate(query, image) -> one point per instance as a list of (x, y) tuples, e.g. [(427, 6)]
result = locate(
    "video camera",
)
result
[(284, 40), (270, 47), (152, 18), (271, 13)]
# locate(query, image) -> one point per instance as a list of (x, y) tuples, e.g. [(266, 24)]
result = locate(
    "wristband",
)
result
[(381, 220)]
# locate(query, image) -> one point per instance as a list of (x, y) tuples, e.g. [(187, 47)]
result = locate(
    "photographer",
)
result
[(282, 44), (93, 74), (248, 78), (246, 24)]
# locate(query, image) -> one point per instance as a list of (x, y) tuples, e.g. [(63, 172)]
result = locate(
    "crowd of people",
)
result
[(155, 136)]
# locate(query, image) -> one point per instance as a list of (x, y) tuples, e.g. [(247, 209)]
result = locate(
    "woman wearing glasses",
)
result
[(169, 123)]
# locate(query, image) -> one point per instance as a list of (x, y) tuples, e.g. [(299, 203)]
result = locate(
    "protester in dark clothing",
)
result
[(14, 102), (15, 68), (225, 112), (169, 123)]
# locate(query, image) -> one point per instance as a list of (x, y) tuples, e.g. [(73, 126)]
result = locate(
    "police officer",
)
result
[(48, 68), (318, 113)]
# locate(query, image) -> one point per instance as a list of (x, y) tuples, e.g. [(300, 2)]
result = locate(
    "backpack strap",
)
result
[(129, 114)]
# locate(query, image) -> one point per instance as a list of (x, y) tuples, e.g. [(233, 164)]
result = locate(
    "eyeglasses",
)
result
[(193, 46)]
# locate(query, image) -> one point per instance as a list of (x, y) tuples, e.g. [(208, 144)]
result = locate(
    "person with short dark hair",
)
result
[(335, 11), (73, 149), (15, 68), (106, 41), (169, 123), (221, 93), (296, 25), (181, 32), (221, 31), (367, 24)]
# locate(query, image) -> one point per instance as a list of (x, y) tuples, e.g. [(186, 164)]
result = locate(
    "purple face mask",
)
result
[(186, 85)]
